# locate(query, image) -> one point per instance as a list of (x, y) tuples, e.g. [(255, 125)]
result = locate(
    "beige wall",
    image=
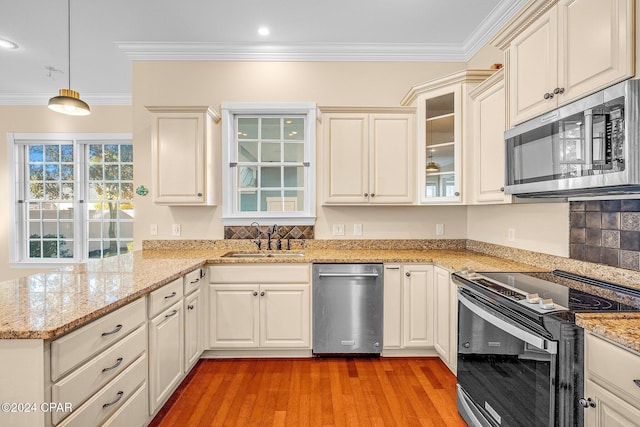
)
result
[(325, 83), (40, 119)]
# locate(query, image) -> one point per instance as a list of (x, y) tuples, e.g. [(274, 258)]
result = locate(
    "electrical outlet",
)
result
[(175, 230), (511, 234), (439, 229), (153, 229), (338, 229), (357, 229)]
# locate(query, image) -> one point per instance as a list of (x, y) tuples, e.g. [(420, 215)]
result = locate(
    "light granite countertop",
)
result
[(48, 305)]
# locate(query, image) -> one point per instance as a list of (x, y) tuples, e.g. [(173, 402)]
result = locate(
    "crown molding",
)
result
[(171, 51), (463, 76), (43, 98)]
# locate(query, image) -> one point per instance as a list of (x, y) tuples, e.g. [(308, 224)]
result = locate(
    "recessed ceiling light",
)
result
[(7, 44), (263, 31)]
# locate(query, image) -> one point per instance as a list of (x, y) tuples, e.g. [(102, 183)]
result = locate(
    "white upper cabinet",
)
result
[(184, 156), (368, 155), (443, 111), (572, 48), (489, 113)]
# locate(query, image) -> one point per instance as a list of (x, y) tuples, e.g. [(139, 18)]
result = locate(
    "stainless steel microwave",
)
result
[(588, 147)]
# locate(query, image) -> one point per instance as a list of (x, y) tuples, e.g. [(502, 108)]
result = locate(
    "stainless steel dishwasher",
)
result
[(347, 309)]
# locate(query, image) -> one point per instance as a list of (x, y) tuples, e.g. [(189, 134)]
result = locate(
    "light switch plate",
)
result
[(338, 229), (439, 229), (357, 229), (153, 229), (175, 230)]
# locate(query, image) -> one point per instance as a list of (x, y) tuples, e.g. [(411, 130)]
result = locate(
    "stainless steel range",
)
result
[(520, 354)]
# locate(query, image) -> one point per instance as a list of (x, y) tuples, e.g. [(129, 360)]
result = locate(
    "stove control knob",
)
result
[(466, 345), (533, 298), (547, 304)]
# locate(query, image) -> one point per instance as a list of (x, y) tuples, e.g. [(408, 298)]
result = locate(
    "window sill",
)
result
[(281, 219)]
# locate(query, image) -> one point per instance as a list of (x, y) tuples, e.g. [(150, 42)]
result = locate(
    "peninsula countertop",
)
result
[(48, 305)]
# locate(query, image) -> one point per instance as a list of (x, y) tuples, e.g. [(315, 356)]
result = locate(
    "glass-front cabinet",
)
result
[(441, 108), (442, 129)]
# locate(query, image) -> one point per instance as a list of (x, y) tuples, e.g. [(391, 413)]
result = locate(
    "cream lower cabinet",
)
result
[(368, 155), (574, 48), (445, 308), (192, 329), (274, 312), (408, 307), (612, 378), (166, 342)]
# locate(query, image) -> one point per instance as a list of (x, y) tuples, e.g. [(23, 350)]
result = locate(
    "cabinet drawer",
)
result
[(192, 281), (86, 380), (165, 297), (613, 366), (72, 349), (110, 398), (134, 411), (281, 273)]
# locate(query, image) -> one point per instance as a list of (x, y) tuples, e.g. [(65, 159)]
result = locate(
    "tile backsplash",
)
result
[(284, 231), (606, 232)]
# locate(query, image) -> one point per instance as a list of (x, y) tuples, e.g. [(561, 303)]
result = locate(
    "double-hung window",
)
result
[(268, 163), (72, 197)]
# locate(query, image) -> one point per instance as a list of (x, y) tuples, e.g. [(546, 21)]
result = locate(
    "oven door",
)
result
[(506, 373)]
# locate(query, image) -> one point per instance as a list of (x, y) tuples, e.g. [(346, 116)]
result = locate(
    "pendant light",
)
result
[(68, 101), (432, 166)]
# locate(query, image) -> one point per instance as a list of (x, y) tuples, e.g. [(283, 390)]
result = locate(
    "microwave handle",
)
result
[(588, 138)]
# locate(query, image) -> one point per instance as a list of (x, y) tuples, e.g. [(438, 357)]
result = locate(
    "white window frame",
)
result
[(230, 213), (15, 141)]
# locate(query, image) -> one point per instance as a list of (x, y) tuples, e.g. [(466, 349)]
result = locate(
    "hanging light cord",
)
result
[(69, 40)]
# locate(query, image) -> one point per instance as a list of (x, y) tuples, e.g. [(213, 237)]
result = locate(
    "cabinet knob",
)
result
[(366, 194), (199, 194), (190, 307), (373, 194), (408, 274), (548, 95), (255, 293), (262, 293), (586, 403), (457, 193), (502, 189), (558, 90)]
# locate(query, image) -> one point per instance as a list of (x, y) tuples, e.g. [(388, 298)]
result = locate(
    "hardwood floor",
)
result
[(314, 392)]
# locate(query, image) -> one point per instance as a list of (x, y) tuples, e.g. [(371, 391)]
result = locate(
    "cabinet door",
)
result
[(442, 309), (392, 307), (595, 45), (192, 329), (610, 410), (533, 68), (166, 354), (417, 329), (391, 173), (285, 316), (178, 158), (346, 158), (234, 316), (489, 125)]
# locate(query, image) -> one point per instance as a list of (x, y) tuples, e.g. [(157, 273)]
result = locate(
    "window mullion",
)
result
[(81, 183)]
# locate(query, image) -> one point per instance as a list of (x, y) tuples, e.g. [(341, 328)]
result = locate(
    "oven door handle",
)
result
[(549, 346)]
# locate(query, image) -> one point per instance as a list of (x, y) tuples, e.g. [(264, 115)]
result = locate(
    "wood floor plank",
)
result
[(315, 392)]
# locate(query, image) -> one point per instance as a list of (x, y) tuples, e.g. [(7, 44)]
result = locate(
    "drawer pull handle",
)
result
[(392, 268), (116, 330), (637, 382), (190, 307), (173, 313), (173, 294), (120, 394), (193, 282), (118, 363)]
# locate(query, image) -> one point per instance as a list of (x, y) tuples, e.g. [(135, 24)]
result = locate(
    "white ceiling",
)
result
[(106, 35)]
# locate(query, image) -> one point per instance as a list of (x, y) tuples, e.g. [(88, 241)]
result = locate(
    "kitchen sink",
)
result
[(263, 255)]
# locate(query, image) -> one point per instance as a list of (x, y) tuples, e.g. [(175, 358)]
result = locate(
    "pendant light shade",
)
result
[(68, 101), (432, 166)]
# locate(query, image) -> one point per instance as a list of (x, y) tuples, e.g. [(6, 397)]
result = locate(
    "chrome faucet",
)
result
[(257, 240)]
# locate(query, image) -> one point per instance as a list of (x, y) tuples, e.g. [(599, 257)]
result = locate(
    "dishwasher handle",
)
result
[(374, 274)]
